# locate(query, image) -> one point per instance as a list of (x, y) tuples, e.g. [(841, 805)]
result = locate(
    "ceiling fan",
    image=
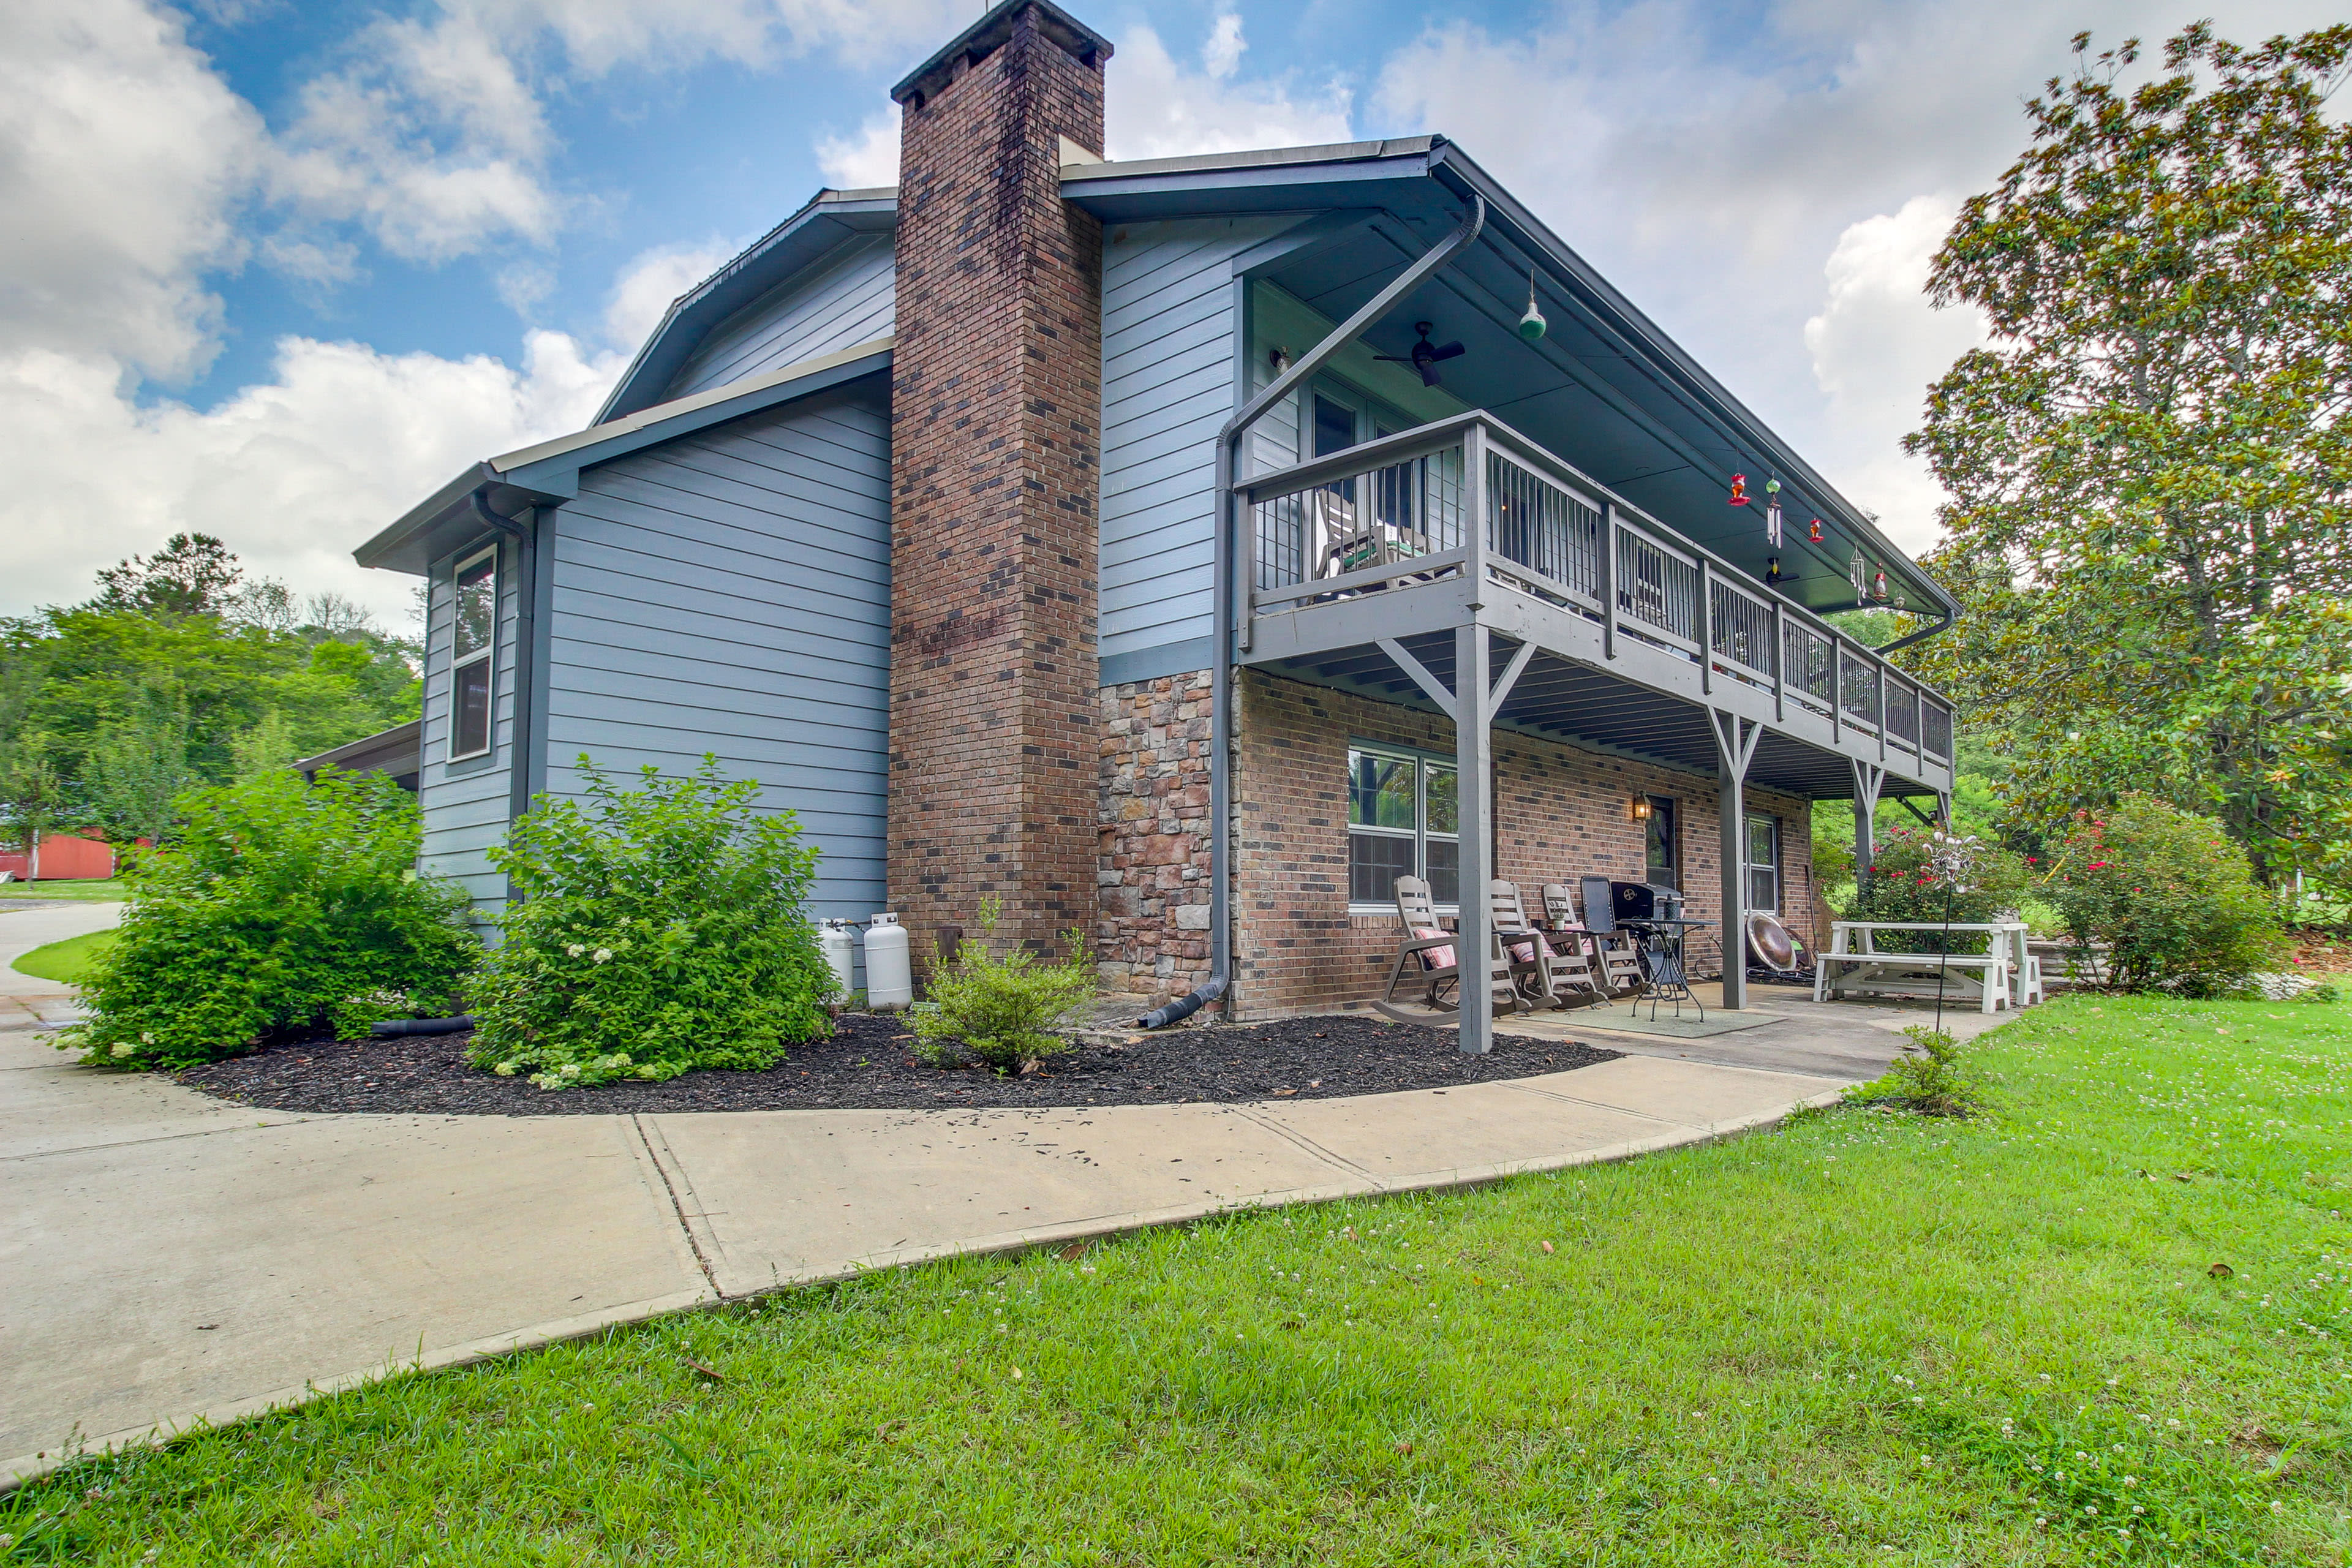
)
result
[(1426, 354)]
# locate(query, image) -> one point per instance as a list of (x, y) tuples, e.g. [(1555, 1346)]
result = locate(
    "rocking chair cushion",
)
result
[(1525, 951), (1432, 957)]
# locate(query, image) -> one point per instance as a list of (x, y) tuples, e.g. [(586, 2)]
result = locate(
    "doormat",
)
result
[(1615, 1020)]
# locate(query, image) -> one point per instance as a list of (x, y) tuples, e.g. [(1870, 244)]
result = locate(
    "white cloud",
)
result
[(651, 281), (596, 36), (120, 157), (293, 472), (1159, 108), (1221, 55), (867, 159), (430, 138), (1875, 347)]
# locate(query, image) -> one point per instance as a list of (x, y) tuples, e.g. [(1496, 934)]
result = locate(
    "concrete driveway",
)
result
[(170, 1257)]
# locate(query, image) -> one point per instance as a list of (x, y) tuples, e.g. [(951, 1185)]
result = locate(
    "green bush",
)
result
[(659, 930), (2169, 894), (1002, 1010), (1911, 872), (1931, 1083), (285, 908)]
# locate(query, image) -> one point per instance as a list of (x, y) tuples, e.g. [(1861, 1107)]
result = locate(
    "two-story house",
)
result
[(1131, 541)]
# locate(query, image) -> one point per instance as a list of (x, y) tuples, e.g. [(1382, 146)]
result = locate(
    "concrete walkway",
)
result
[(170, 1257)]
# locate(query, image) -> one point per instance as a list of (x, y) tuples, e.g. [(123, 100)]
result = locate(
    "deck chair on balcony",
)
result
[(1343, 537), (1614, 965), (1428, 968), (1548, 971)]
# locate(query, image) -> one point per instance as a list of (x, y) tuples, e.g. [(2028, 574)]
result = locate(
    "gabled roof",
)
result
[(549, 471), (829, 220)]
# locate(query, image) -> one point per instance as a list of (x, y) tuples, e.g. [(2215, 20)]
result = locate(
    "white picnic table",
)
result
[(2004, 975)]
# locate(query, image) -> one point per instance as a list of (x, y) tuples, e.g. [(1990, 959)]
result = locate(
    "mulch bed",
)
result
[(866, 1064)]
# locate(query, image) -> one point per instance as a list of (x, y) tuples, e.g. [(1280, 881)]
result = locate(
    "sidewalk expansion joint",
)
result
[(673, 1178), (1258, 1118)]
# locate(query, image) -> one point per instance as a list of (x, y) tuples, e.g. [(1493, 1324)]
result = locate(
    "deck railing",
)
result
[(1398, 510)]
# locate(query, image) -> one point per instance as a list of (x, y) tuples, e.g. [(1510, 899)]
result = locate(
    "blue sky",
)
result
[(275, 270)]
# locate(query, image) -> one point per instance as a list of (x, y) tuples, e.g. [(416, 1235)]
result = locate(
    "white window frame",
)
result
[(1749, 866), (1419, 832), (488, 652)]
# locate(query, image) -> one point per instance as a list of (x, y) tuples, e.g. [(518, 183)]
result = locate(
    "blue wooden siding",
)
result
[(730, 592), (1170, 333), (465, 803), (849, 298)]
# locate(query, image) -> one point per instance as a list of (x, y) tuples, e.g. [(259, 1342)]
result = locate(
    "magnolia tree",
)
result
[(2148, 464)]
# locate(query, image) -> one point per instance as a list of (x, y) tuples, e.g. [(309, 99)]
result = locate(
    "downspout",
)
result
[(1220, 699), (1909, 637), (526, 625)]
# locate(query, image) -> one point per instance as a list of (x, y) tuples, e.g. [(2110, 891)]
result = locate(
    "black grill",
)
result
[(1639, 902)]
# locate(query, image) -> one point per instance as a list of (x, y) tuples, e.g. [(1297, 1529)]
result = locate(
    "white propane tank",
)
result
[(890, 978), (840, 953)]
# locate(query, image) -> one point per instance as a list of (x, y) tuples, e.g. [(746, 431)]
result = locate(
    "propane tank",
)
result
[(889, 979), (840, 948)]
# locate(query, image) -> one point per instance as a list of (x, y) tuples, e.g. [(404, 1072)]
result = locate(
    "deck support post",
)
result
[(1869, 779), (1734, 746), (1474, 794)]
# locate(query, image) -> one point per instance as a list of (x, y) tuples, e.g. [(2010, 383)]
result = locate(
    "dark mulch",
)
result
[(866, 1064)]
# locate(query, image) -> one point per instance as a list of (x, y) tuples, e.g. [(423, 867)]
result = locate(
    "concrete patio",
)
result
[(173, 1258)]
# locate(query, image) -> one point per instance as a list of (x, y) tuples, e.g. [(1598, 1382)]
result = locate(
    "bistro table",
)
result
[(1999, 975), (1665, 975)]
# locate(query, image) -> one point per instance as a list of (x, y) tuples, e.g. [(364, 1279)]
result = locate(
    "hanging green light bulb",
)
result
[(1532, 325)]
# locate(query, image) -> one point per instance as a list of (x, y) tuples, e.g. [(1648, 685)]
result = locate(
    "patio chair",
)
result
[(1614, 965), (1428, 968), (1342, 539), (1543, 974)]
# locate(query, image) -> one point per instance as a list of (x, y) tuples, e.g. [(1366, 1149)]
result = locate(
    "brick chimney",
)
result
[(996, 407)]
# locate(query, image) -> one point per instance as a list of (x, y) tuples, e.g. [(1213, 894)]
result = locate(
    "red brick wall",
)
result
[(995, 406), (1561, 812), (1152, 858)]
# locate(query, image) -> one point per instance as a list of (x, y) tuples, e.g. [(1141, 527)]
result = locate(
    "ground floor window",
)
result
[(1402, 821), (1764, 864)]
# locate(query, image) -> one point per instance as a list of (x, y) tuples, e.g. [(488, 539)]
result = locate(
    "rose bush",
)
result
[(2169, 894)]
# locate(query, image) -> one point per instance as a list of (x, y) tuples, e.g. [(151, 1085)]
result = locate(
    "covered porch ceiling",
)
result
[(1582, 393), (1558, 700), (1605, 388)]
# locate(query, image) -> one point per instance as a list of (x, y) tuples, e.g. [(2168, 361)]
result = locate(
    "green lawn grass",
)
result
[(1866, 1338), (110, 888), (64, 962)]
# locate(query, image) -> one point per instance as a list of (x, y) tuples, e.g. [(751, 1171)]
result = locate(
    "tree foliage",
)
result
[(2149, 464), (179, 673)]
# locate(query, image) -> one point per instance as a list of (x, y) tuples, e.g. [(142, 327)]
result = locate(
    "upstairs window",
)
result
[(473, 648), (1402, 821)]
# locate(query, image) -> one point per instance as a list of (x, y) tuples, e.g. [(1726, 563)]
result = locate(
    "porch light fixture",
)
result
[(1641, 808), (1532, 325)]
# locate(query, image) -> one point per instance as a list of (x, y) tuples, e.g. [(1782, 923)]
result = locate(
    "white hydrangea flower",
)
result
[(125, 1048), (603, 955), (575, 948)]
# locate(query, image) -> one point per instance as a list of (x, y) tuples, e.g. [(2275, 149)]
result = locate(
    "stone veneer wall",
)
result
[(1560, 812), (996, 406), (1151, 863)]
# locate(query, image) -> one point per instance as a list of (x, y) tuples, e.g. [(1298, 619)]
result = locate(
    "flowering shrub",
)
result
[(1912, 870), (659, 930), (284, 908), (1002, 1010), (2169, 894), (1931, 1083)]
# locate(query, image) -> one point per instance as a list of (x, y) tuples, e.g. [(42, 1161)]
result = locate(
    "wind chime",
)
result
[(1772, 512), (1857, 572)]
